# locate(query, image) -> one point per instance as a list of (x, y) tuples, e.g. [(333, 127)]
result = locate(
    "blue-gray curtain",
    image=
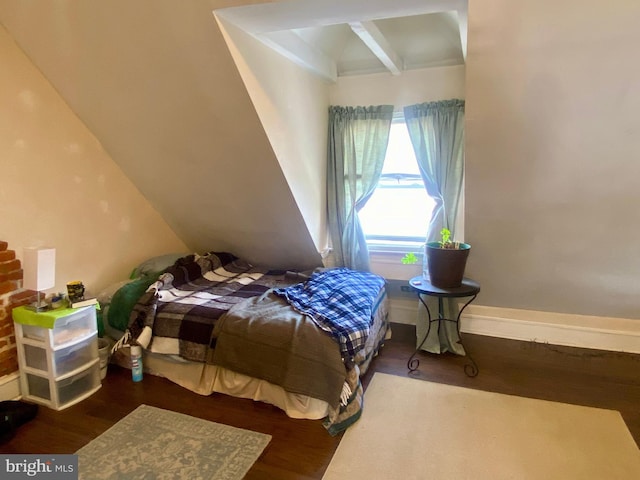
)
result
[(357, 144), (436, 130)]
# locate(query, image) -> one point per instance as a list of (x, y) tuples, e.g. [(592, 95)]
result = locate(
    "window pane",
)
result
[(400, 206), (400, 156), (397, 212)]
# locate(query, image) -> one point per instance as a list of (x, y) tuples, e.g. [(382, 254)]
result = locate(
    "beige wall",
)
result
[(59, 187), (552, 155)]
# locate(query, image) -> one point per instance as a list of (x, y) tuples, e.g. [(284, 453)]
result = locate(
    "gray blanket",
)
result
[(264, 337)]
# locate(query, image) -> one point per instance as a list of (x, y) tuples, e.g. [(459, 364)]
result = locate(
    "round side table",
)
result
[(422, 287)]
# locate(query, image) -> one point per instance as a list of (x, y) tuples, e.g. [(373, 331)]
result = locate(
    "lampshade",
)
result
[(39, 268)]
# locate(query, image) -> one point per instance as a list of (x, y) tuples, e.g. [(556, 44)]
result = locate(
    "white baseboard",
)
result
[(600, 333), (403, 310), (10, 387)]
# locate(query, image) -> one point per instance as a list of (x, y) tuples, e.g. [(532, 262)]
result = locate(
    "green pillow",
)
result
[(125, 299)]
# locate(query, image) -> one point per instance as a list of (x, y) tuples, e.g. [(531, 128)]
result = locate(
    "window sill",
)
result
[(388, 264)]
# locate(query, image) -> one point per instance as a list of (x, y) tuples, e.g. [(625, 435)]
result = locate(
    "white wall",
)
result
[(552, 155), (411, 87), (292, 104), (59, 187)]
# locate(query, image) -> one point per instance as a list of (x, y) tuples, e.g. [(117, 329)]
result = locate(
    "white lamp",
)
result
[(39, 272)]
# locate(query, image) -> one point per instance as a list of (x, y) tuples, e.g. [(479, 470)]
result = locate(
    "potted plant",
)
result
[(446, 260)]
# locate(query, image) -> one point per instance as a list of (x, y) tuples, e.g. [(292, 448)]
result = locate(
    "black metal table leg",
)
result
[(469, 288), (470, 369), (414, 363)]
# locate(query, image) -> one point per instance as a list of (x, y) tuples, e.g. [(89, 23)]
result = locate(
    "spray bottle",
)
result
[(136, 362)]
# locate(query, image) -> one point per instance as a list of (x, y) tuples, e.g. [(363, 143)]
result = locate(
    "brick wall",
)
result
[(11, 295)]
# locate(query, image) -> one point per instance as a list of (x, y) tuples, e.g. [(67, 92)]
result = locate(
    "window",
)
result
[(397, 215)]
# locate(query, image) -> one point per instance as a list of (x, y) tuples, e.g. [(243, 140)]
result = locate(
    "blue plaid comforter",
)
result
[(340, 301)]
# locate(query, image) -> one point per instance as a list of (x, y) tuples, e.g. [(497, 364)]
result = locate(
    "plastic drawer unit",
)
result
[(58, 355)]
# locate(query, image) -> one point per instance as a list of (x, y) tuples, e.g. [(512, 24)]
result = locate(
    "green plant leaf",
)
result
[(409, 259), (446, 236)]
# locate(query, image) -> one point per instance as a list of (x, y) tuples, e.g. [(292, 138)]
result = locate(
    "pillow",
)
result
[(155, 264), (126, 298)]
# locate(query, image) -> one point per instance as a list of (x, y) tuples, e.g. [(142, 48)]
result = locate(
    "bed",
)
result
[(215, 323)]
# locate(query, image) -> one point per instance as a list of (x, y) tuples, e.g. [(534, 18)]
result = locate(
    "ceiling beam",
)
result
[(294, 48), (378, 44)]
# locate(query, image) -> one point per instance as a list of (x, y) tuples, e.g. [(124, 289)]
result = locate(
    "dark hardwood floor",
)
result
[(302, 449)]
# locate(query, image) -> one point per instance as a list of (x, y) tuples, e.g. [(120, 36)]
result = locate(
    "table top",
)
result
[(423, 286)]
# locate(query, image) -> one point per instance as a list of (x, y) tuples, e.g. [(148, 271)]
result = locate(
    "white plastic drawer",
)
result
[(66, 359), (38, 386), (68, 389), (78, 324)]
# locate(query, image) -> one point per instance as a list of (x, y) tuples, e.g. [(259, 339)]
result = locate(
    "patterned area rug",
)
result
[(413, 430), (155, 443)]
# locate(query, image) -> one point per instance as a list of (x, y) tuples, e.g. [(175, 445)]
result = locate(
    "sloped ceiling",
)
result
[(154, 81)]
